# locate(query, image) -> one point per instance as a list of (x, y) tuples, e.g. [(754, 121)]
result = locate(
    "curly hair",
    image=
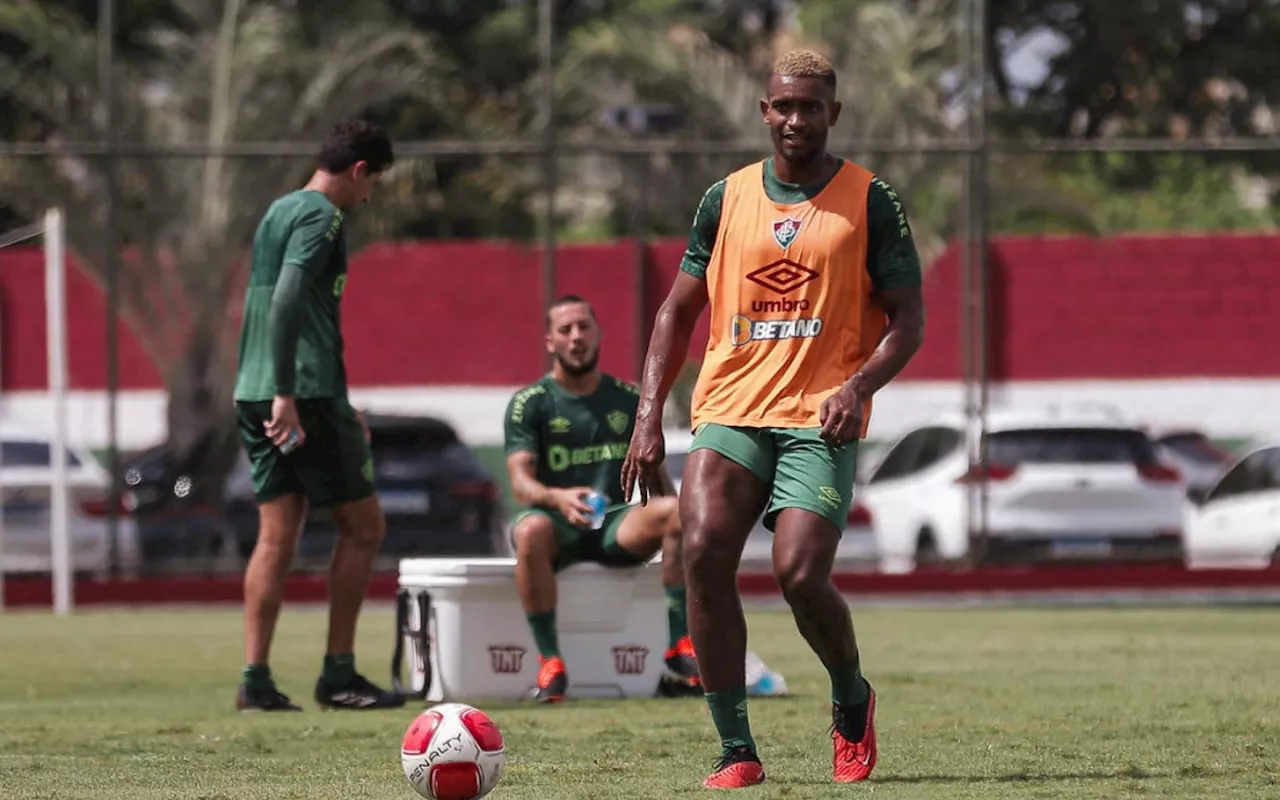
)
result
[(805, 64)]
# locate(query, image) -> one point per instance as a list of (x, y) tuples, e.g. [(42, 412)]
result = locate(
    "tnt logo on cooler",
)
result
[(506, 659), (744, 329), (629, 659)]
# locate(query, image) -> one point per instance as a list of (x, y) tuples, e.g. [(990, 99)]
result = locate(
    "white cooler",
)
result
[(461, 626)]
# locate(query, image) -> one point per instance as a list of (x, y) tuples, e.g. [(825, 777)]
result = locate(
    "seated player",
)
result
[(566, 436)]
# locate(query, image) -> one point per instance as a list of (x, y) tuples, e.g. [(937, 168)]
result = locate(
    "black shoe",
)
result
[(264, 700), (681, 677), (359, 694)]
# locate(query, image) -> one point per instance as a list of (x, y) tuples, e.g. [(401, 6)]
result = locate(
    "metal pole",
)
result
[(546, 47), (111, 239), (55, 277), (966, 284), (978, 32), (974, 266), (640, 227)]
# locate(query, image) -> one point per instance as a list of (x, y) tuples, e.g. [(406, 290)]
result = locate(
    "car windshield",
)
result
[(1070, 446)]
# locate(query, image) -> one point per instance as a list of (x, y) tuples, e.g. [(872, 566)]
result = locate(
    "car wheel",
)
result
[(927, 554)]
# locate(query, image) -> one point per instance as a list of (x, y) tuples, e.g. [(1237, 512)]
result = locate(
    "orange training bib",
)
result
[(792, 315)]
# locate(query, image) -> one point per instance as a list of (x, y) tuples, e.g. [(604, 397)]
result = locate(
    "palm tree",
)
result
[(235, 71)]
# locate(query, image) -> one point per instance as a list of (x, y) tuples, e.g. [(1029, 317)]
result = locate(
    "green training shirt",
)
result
[(578, 441), (892, 259), (291, 334)]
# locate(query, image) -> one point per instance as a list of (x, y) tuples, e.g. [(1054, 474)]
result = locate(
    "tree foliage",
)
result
[(236, 70)]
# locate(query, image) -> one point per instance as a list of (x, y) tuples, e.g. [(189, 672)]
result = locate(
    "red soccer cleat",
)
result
[(737, 769), (683, 662), (553, 680), (853, 761)]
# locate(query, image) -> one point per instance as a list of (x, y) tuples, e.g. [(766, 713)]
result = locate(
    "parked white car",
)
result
[(1237, 525), (1195, 455), (1060, 484), (25, 484), (857, 545)]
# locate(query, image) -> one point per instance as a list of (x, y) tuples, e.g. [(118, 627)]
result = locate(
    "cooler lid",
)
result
[(456, 567)]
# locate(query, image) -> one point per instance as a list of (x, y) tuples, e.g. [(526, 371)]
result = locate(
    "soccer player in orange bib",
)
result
[(813, 281)]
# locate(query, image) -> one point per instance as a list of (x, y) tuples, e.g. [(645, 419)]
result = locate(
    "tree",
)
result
[(1173, 67), (234, 70)]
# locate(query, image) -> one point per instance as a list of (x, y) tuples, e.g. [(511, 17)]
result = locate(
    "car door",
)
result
[(1238, 524), (898, 491)]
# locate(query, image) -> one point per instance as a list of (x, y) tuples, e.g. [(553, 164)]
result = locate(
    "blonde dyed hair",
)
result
[(805, 64)]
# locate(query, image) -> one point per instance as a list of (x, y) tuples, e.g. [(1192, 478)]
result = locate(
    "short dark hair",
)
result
[(568, 300), (356, 140)]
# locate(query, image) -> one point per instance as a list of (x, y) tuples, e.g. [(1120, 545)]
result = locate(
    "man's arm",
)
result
[(522, 469), (306, 253), (673, 327), (520, 435), (894, 265), (902, 338)]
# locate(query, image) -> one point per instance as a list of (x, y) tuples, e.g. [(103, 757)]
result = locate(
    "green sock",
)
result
[(339, 670), (677, 619), (848, 687), (257, 677), (729, 713), (543, 626)]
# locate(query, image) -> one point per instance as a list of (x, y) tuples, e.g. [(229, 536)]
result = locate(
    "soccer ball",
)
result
[(453, 751)]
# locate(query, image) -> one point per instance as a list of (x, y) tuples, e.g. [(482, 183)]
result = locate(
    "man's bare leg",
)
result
[(643, 532), (279, 525), (534, 537), (719, 503), (804, 550), (361, 526)]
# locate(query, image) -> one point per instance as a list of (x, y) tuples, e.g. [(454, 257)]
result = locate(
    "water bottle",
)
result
[(291, 443), (597, 503)]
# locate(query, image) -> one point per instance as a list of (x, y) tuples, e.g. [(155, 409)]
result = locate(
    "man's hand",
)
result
[(641, 468), (284, 425), (570, 503), (841, 417)]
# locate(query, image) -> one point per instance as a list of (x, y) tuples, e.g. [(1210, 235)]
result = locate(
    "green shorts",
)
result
[(575, 545), (801, 470), (333, 466)]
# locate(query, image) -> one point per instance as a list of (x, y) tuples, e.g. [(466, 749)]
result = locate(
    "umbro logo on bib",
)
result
[(785, 231)]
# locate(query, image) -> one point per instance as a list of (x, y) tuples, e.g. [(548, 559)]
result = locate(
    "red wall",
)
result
[(469, 312)]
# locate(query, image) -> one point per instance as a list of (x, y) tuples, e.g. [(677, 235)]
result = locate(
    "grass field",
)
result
[(973, 703)]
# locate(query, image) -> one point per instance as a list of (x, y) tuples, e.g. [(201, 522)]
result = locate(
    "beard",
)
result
[(578, 370)]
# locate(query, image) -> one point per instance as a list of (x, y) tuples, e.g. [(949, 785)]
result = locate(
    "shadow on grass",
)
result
[(1131, 773)]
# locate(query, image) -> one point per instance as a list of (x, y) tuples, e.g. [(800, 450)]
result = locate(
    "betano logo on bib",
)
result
[(744, 329)]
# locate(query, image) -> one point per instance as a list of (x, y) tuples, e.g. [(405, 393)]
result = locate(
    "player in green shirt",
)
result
[(566, 437), (305, 442)]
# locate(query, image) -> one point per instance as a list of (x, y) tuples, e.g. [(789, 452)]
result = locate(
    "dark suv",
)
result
[(437, 497), (438, 500)]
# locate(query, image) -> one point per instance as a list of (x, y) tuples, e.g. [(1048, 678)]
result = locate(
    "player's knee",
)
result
[(704, 552), (362, 522), (280, 525), (799, 573), (534, 538)]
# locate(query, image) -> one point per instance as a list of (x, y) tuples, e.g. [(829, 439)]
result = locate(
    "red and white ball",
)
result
[(453, 751)]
